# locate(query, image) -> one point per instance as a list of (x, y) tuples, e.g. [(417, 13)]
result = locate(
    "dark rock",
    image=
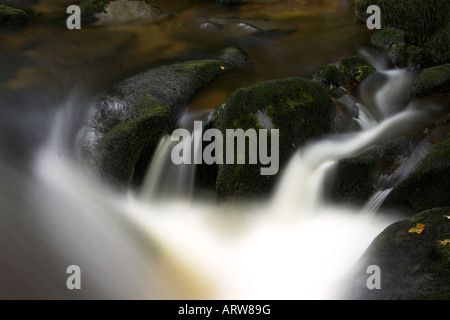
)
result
[(410, 16), (428, 186), (407, 56), (348, 73), (90, 7), (124, 11), (413, 266), (247, 26), (12, 17), (438, 45), (387, 37), (425, 24), (298, 107), (356, 179), (432, 80), (129, 120)]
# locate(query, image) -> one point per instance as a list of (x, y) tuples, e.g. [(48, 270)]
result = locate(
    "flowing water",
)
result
[(160, 244)]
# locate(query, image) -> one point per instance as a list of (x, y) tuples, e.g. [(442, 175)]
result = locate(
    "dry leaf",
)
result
[(448, 217), (417, 229), (445, 242)]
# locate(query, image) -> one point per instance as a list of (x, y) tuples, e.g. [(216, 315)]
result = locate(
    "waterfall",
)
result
[(293, 245), (164, 180), (310, 163)]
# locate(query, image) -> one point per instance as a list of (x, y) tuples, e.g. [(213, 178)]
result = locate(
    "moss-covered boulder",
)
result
[(356, 179), (407, 56), (432, 80), (425, 24), (124, 11), (412, 265), (11, 17), (387, 37), (90, 7), (119, 11), (299, 108), (429, 185), (347, 72), (127, 122)]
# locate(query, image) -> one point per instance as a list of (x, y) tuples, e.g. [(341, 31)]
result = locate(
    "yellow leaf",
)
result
[(445, 242), (417, 229)]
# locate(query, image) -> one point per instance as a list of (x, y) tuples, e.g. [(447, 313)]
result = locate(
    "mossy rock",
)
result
[(356, 179), (419, 19), (129, 120), (425, 24), (438, 45), (432, 80), (299, 108), (353, 181), (11, 17), (412, 265), (387, 37), (119, 151), (429, 185), (407, 56), (90, 7), (347, 72)]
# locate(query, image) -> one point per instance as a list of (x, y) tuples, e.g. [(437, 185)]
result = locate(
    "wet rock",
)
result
[(387, 37), (11, 17), (123, 11), (407, 56), (127, 122), (347, 73), (413, 266), (91, 7), (298, 107), (432, 37), (356, 179), (247, 26), (438, 45), (118, 11), (428, 186), (432, 80)]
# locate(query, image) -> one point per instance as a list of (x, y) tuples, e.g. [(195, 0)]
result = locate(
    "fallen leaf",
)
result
[(448, 217), (445, 242), (417, 229)]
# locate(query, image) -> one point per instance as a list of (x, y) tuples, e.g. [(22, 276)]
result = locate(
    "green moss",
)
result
[(11, 16), (89, 7), (419, 19), (425, 24), (298, 107), (147, 105), (407, 56), (328, 75), (413, 266), (387, 37), (120, 149), (429, 185), (432, 80), (438, 45), (348, 72)]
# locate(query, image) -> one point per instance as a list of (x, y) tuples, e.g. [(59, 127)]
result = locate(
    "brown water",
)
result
[(45, 54)]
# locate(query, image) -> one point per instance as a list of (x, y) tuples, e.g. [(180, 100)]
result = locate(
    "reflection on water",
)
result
[(324, 31)]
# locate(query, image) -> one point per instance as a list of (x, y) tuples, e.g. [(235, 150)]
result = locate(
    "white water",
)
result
[(292, 246)]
